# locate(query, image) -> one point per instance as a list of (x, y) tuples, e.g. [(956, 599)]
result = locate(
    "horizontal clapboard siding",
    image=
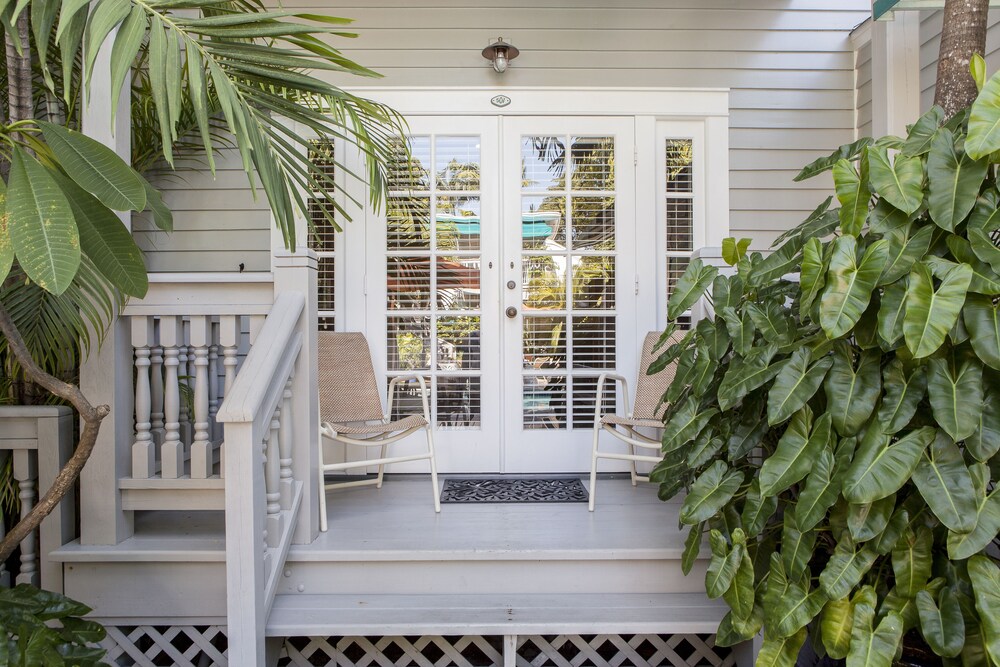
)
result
[(864, 88), (789, 64), (930, 44), (218, 225)]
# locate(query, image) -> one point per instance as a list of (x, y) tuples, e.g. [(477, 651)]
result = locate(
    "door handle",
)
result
[(511, 312)]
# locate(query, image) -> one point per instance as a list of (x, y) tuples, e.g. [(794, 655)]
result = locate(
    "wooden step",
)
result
[(500, 614)]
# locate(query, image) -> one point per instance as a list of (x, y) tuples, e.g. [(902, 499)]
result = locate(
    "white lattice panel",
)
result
[(174, 645), (532, 651)]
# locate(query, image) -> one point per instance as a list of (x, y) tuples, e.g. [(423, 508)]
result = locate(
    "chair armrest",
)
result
[(424, 394), (599, 398)]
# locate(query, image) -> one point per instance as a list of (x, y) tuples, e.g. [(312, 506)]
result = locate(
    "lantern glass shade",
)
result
[(500, 53)]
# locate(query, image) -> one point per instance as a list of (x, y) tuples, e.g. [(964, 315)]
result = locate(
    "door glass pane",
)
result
[(433, 274), (566, 274)]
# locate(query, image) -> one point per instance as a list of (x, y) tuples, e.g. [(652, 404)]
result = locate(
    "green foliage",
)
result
[(848, 420), (42, 628)]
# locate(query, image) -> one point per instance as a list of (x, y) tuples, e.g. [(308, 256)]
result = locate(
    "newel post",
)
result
[(296, 272), (106, 373)]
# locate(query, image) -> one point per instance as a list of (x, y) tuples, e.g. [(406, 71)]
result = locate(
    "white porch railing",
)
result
[(38, 440), (261, 426)]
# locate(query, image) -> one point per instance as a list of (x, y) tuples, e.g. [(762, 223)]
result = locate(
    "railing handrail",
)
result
[(276, 345), (223, 293)]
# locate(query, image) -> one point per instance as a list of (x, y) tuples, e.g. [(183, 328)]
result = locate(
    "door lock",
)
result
[(511, 284), (511, 311)]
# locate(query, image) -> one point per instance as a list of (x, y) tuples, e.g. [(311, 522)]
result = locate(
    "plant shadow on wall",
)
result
[(838, 434)]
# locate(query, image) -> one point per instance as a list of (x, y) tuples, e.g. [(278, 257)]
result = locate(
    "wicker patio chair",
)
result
[(648, 391), (351, 412)]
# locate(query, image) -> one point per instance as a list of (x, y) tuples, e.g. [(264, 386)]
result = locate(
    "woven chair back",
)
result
[(348, 390), (650, 388)]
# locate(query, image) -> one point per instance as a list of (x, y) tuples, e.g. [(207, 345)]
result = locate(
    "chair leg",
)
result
[(434, 473), (322, 490), (381, 468), (632, 469), (593, 468)]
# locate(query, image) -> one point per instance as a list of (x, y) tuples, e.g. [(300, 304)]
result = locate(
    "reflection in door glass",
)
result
[(568, 261), (458, 222)]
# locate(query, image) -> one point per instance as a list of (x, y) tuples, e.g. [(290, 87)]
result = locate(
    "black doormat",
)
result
[(514, 490)]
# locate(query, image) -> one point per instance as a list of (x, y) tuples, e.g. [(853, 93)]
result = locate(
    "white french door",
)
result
[(501, 270)]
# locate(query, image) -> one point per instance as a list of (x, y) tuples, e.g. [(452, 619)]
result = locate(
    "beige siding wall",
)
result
[(930, 43), (864, 87), (790, 66)]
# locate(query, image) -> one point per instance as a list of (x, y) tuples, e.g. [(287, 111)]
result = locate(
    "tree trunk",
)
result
[(19, 104), (963, 34)]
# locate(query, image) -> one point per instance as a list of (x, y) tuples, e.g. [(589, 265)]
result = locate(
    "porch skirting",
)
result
[(204, 646)]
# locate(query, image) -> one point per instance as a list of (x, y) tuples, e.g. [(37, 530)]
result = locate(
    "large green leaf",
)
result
[(889, 537), (946, 486), (818, 224), (799, 445), (794, 385), (685, 424), (732, 630), (850, 284), (900, 181), (692, 549), (866, 521), (123, 52), (757, 509), (931, 313), (902, 396), (985, 442), (106, 241), (41, 225), (796, 546), (853, 195), (747, 435), (835, 627), (964, 545), (812, 276), (746, 374), (984, 121), (906, 247), (953, 180), (740, 595), (845, 568), (845, 152), (710, 492), (985, 279), (956, 396), (788, 602), (773, 321), (885, 218), (918, 141), (891, 312), (851, 394), (873, 647), (880, 469), (6, 247), (782, 261), (741, 329), (982, 319), (722, 566), (820, 491), (781, 651), (985, 578), (942, 627), (985, 248), (690, 287)]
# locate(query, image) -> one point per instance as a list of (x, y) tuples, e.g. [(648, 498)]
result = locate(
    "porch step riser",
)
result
[(496, 576)]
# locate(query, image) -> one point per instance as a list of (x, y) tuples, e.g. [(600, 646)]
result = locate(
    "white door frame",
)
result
[(701, 114)]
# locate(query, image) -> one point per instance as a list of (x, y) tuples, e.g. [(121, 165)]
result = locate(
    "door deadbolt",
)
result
[(511, 284), (511, 311)]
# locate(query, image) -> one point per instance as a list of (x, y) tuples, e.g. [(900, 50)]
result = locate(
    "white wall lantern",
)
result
[(500, 53)]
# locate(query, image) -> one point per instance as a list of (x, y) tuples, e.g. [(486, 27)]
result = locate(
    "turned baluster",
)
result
[(229, 339), (285, 447), (272, 480), (143, 449), (266, 533), (201, 446), (26, 475), (4, 573), (156, 384), (213, 383), (185, 369), (172, 451)]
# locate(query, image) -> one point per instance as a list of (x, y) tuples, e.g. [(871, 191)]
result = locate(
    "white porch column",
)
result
[(296, 272), (106, 373), (895, 73)]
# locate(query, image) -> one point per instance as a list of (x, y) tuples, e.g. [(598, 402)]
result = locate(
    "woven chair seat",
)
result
[(361, 428), (619, 420)]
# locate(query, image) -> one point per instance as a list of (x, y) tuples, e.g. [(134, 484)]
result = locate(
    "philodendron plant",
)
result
[(836, 422)]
